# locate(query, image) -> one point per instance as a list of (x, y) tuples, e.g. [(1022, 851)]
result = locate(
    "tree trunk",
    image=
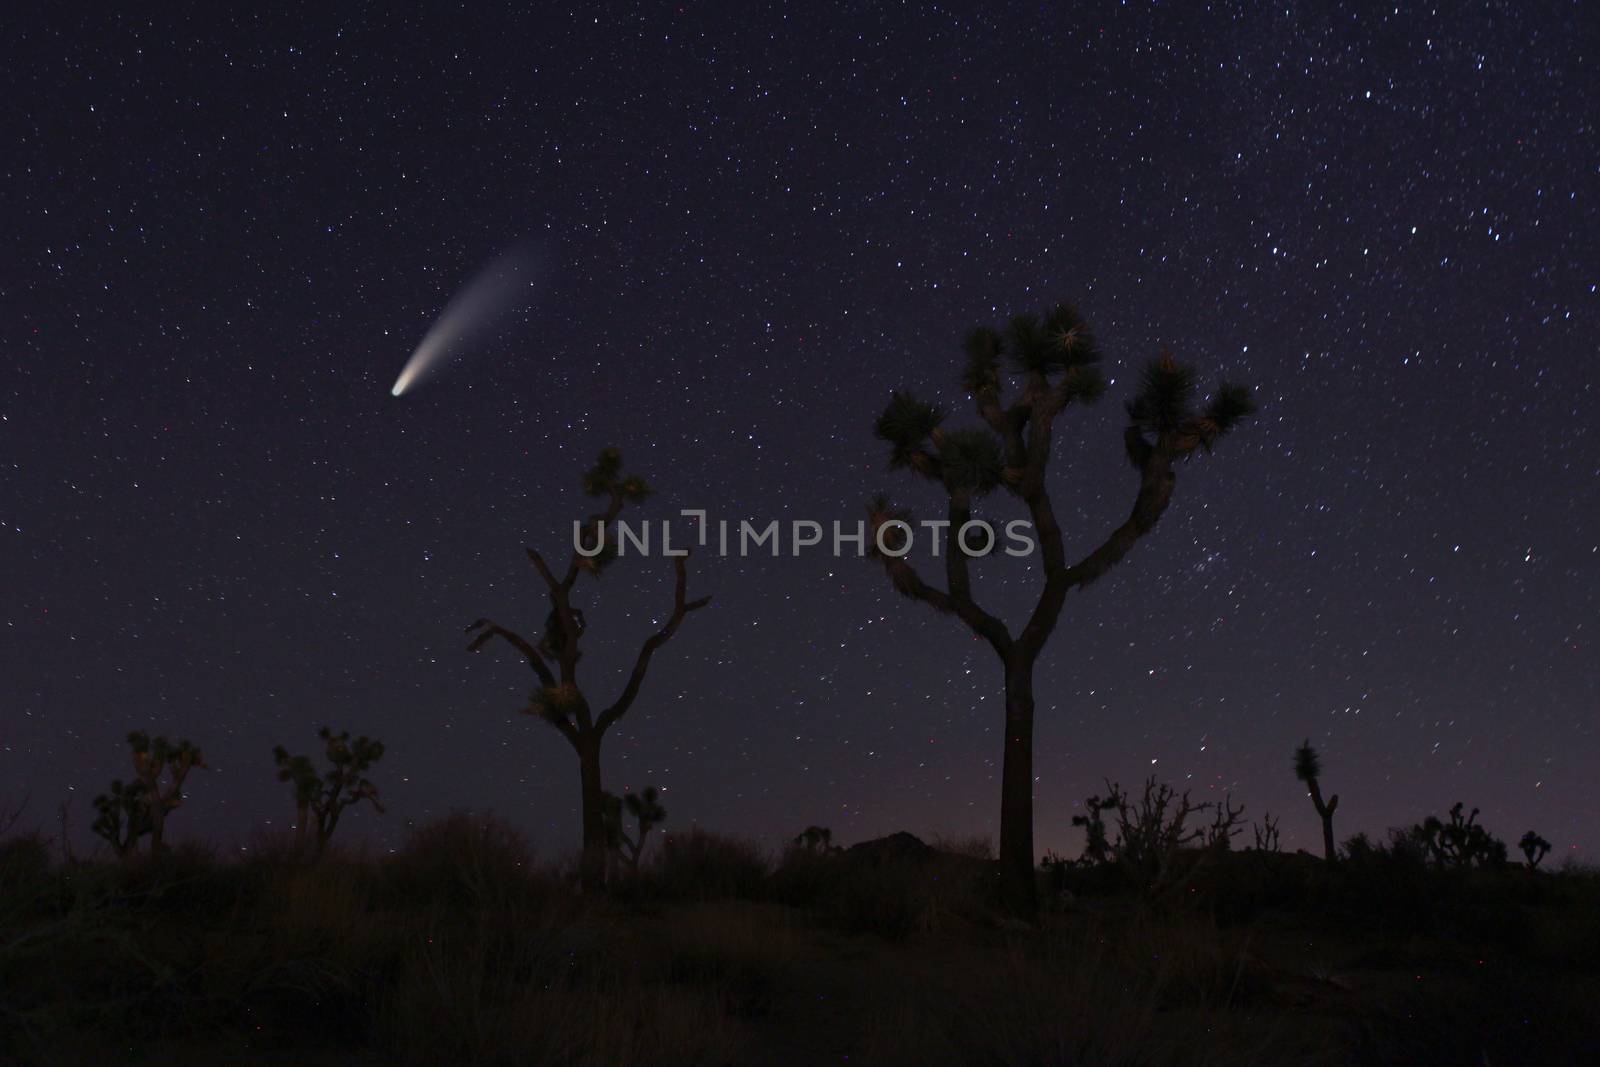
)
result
[(301, 813), (592, 868), (1330, 851), (158, 825), (1016, 792)]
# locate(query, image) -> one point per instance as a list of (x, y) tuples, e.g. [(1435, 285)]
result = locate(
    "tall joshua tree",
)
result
[(559, 700), (325, 795), (1054, 363), (161, 767), (1308, 768)]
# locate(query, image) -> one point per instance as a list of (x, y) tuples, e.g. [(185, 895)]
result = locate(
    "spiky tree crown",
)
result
[(645, 806), (970, 461), (907, 424), (606, 477), (1307, 764)]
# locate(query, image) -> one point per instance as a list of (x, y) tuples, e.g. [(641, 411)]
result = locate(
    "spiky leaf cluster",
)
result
[(606, 477), (555, 704), (906, 424), (1307, 764), (1166, 389), (1060, 341), (1164, 407), (970, 460)]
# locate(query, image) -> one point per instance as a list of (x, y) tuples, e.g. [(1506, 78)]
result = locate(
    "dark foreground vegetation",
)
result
[(461, 949)]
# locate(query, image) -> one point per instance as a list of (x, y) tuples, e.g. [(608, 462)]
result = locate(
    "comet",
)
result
[(503, 287)]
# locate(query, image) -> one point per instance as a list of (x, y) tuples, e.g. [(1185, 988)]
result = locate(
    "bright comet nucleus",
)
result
[(499, 289)]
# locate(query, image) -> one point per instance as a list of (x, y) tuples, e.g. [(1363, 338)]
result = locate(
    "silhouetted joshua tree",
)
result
[(1461, 842), (122, 817), (814, 839), (1152, 834), (325, 795), (161, 768), (1054, 361), (559, 700), (647, 812), (1534, 848), (1308, 768)]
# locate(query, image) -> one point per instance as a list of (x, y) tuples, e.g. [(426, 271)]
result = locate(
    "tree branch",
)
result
[(680, 608), (906, 580), (486, 630), (1156, 482)]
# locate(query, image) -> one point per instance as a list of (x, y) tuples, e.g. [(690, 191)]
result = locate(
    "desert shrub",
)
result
[(699, 865), (470, 859), (24, 861), (894, 887), (558, 994)]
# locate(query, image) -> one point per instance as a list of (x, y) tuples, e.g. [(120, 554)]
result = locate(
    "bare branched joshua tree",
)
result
[(559, 700), (1055, 365), (1308, 768), (321, 797), (1152, 834)]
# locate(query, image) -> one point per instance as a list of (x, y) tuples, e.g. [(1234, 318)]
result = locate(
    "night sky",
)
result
[(222, 240)]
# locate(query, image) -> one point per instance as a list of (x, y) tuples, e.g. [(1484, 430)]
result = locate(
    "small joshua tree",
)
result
[(814, 839), (1020, 382), (1461, 842), (121, 817), (1534, 848), (161, 767), (325, 795), (647, 812), (559, 700), (1308, 768)]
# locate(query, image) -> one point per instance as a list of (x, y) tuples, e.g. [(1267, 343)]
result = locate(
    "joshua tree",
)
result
[(154, 760), (1461, 842), (1308, 768), (1055, 365), (1534, 848), (559, 700), (121, 817), (647, 812), (815, 839), (326, 795), (1152, 834)]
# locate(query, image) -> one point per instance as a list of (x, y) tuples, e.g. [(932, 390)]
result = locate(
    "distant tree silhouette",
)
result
[(1534, 849), (1459, 843), (161, 768), (815, 839), (647, 811), (1151, 833), (559, 700), (122, 817), (1266, 834), (1308, 768), (321, 797), (1055, 361)]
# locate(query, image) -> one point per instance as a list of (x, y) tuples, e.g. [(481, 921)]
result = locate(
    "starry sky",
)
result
[(225, 233)]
